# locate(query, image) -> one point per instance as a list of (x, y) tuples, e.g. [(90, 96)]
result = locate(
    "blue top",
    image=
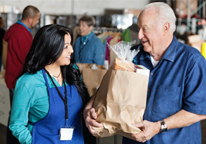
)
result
[(177, 82), (19, 22), (30, 96), (84, 37), (90, 50)]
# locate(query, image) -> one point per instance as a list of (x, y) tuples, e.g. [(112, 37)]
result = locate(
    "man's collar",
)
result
[(19, 22), (171, 50), (169, 54)]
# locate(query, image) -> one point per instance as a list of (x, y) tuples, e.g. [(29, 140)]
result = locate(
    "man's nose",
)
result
[(140, 34)]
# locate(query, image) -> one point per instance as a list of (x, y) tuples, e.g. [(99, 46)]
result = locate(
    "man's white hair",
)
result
[(165, 13)]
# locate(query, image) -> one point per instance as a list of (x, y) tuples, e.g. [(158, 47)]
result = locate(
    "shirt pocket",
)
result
[(167, 100)]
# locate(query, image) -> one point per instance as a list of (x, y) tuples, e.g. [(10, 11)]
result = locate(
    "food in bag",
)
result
[(123, 65)]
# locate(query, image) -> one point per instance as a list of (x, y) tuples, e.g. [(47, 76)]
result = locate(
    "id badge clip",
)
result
[(66, 132)]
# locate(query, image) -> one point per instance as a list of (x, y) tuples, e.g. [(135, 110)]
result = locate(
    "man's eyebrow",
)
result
[(144, 25)]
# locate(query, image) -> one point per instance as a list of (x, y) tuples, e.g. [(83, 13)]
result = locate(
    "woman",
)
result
[(49, 95), (88, 48)]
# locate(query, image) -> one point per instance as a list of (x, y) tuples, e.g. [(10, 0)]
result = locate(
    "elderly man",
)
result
[(176, 98)]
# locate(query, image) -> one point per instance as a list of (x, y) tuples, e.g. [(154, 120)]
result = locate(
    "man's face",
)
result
[(150, 32), (35, 21)]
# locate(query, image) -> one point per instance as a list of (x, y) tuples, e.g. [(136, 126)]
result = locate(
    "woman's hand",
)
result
[(90, 117)]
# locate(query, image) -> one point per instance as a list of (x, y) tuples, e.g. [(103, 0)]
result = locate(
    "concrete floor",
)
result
[(107, 140)]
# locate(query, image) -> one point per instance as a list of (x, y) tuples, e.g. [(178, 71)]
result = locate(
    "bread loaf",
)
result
[(123, 65)]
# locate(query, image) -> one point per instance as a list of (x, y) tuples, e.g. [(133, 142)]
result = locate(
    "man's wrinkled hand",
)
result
[(149, 129)]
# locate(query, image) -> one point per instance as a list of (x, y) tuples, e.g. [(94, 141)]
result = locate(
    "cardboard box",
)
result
[(181, 8), (195, 41), (197, 45), (194, 38), (135, 12)]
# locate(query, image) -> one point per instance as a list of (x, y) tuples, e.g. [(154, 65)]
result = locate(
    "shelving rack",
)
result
[(191, 23)]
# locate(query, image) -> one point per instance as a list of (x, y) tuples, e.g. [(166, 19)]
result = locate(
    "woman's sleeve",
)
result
[(19, 113), (75, 66)]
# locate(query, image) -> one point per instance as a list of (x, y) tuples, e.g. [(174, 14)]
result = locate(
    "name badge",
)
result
[(66, 133)]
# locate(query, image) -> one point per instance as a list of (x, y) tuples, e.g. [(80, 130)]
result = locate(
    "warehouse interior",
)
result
[(111, 16)]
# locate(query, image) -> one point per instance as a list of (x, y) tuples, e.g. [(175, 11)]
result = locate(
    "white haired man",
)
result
[(176, 101)]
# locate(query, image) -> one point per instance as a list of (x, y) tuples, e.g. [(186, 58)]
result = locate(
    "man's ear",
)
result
[(166, 27), (30, 20)]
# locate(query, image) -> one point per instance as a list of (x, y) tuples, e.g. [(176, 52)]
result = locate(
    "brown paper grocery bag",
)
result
[(120, 101), (83, 65), (86, 65), (92, 78)]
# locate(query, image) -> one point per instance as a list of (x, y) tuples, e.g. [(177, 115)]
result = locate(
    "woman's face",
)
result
[(65, 57), (84, 28)]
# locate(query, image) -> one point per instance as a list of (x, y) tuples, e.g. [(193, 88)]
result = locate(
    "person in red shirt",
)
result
[(19, 40)]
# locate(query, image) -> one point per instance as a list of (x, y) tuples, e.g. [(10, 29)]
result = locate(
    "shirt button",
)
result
[(148, 90), (151, 73)]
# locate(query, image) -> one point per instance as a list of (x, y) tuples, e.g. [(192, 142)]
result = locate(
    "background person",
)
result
[(88, 48), (176, 90), (19, 40), (49, 91)]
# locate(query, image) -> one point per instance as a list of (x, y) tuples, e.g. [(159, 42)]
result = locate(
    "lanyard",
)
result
[(83, 44), (64, 100)]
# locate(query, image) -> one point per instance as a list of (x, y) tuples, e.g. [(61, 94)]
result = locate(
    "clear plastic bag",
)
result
[(123, 51)]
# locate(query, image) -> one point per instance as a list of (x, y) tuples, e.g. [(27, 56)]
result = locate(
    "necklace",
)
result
[(57, 77)]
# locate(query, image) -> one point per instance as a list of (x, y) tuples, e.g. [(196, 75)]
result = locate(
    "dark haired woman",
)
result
[(49, 95), (88, 48)]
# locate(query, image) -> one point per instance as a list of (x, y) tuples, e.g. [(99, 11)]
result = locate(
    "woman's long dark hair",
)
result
[(46, 48)]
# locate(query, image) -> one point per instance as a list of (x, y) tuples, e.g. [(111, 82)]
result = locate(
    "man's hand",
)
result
[(149, 129), (90, 117)]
